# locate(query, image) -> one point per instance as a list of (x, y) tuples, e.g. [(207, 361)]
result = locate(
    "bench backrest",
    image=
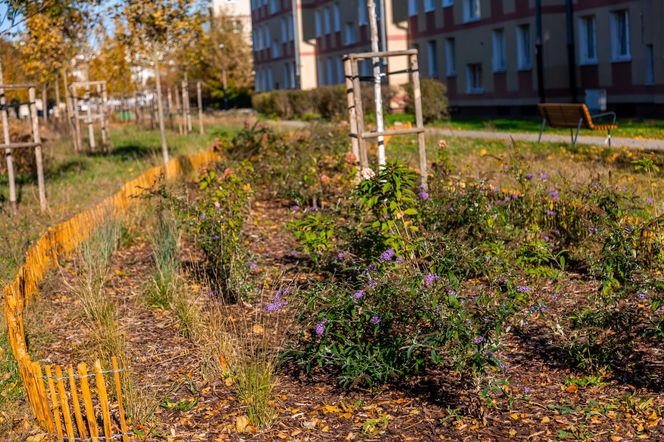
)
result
[(566, 115)]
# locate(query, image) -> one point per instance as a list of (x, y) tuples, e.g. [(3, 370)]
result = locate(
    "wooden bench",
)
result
[(574, 116)]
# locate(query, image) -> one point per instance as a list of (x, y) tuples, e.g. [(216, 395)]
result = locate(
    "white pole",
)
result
[(380, 125)]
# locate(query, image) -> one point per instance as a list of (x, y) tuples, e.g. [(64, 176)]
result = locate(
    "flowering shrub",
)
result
[(215, 219), (393, 323)]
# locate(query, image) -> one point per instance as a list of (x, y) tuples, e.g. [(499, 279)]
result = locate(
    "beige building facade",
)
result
[(484, 50)]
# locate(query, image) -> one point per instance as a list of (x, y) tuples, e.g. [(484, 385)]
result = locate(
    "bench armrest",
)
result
[(606, 114)]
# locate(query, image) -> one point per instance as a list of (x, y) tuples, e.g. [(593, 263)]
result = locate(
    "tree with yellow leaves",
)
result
[(154, 29)]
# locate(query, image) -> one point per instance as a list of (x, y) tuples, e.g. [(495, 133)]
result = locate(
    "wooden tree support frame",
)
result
[(359, 134), (36, 143), (89, 118)]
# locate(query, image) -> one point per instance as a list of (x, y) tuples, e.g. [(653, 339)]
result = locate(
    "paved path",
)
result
[(631, 143), (651, 144)]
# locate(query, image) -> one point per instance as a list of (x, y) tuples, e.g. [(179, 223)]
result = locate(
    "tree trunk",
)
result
[(200, 107), (160, 111), (8, 152)]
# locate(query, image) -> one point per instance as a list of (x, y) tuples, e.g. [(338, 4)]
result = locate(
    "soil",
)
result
[(540, 402)]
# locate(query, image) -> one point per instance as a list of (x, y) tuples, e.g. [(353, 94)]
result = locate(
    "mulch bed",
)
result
[(537, 404)]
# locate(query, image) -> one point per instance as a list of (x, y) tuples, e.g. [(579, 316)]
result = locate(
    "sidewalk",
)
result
[(632, 143), (616, 142)]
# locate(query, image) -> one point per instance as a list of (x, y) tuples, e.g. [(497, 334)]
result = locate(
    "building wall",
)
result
[(240, 10), (460, 49)]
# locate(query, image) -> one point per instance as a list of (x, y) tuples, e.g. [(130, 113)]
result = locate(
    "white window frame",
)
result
[(470, 7), (412, 8), (450, 57), (587, 28), (336, 12), (470, 76), (432, 58), (616, 42), (524, 49), (499, 50), (429, 5)]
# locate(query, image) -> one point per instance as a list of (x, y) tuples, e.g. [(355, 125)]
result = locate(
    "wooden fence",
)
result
[(52, 410)]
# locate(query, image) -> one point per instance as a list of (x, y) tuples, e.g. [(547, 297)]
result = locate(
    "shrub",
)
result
[(395, 323), (434, 100)]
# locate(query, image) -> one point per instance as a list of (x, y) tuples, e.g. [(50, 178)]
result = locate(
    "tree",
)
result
[(112, 63), (154, 27)]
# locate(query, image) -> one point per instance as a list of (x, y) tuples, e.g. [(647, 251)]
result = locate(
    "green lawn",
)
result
[(628, 128)]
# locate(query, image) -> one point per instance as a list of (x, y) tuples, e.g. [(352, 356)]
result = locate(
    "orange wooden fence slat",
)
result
[(87, 402), (80, 424), (103, 400), (64, 403), (54, 402), (118, 395)]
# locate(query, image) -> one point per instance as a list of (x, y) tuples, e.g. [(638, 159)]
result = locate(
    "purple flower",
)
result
[(451, 292), (387, 255), (252, 266), (372, 268), (515, 196), (543, 176), (295, 208), (215, 237), (523, 289), (506, 167), (479, 340), (553, 193), (649, 200), (358, 294), (549, 212), (526, 390), (203, 216), (341, 256), (398, 259), (372, 284), (592, 230), (375, 320), (494, 216), (277, 302), (529, 176), (430, 279), (423, 195), (641, 296), (320, 328)]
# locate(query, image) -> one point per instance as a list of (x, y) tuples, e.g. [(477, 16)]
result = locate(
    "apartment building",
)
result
[(484, 50)]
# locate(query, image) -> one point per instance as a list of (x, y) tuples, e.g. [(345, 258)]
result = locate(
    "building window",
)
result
[(620, 40), (276, 49), (321, 80), (450, 57), (474, 78), (317, 22), (270, 80), (330, 71), (337, 17), (363, 12), (291, 29), (524, 48), (498, 40), (267, 38), (432, 58), (274, 6), (650, 64), (350, 34), (429, 5), (587, 40), (341, 76), (471, 10), (327, 21), (412, 8), (286, 75), (447, 3), (284, 30)]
